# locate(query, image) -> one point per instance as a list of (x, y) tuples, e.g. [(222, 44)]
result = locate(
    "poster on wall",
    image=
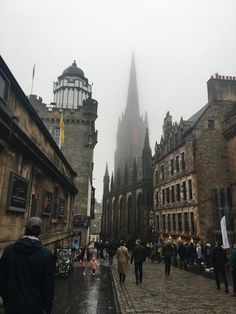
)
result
[(17, 193), (61, 207), (47, 202)]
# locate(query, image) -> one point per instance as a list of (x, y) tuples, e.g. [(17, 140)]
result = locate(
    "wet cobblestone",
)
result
[(181, 292)]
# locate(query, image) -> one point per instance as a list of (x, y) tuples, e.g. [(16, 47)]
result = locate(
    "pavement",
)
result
[(85, 294), (181, 292)]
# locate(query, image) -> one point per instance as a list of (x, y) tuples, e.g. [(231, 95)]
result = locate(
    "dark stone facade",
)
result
[(127, 198), (192, 183), (35, 177), (73, 104)]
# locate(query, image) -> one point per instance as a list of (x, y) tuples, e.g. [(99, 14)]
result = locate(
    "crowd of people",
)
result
[(182, 254), (29, 267)]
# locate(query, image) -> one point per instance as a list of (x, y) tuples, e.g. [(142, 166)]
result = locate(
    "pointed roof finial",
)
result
[(106, 171), (146, 141), (132, 107), (146, 119)]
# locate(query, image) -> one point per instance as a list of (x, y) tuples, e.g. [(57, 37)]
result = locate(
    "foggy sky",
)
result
[(178, 45)]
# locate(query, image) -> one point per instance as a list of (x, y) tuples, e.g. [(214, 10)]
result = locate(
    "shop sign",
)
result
[(81, 221), (17, 193)]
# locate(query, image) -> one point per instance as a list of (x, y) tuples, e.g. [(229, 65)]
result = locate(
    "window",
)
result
[(156, 178), (168, 221), (172, 167), (180, 222), (182, 161), (168, 195), (190, 191), (192, 222), (158, 222), (184, 190), (173, 194), (174, 222), (4, 87), (178, 192), (211, 124), (162, 173), (177, 163), (186, 226), (157, 199), (163, 196), (164, 222), (57, 135)]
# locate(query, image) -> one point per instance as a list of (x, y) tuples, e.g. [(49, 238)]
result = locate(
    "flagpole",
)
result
[(32, 83)]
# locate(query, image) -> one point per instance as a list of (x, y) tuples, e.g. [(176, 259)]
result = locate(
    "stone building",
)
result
[(74, 111), (35, 177), (127, 195), (95, 228), (192, 174)]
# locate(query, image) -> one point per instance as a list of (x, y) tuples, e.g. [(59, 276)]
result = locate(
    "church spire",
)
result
[(147, 158), (106, 181), (132, 107)]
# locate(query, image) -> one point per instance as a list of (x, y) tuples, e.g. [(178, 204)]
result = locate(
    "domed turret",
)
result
[(73, 70)]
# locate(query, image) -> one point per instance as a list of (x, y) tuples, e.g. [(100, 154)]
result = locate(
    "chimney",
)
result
[(221, 88)]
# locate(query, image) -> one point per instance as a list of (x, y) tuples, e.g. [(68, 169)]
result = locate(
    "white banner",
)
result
[(224, 233)]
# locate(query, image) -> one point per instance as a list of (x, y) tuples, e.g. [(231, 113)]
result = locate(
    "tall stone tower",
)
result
[(127, 204), (73, 104), (131, 133)]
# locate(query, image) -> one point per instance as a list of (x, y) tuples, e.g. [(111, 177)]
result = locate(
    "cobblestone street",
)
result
[(182, 292)]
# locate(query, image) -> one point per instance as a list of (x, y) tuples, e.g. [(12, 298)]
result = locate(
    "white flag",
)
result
[(224, 233)]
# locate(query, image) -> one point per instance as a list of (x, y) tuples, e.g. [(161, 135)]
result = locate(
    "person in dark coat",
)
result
[(111, 250), (138, 256), (27, 274), (219, 259), (167, 252)]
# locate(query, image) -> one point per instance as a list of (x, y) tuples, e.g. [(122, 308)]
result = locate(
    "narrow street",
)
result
[(81, 294)]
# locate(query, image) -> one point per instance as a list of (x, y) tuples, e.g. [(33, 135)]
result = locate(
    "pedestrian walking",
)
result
[(27, 274), (233, 268), (85, 258), (167, 253), (111, 250), (138, 256), (94, 265), (219, 259), (122, 259)]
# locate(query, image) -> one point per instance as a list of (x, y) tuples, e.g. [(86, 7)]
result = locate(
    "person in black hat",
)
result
[(27, 274)]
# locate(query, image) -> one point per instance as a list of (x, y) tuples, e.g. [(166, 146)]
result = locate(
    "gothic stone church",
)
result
[(127, 195)]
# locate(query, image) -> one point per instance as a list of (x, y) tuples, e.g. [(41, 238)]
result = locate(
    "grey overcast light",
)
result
[(178, 45)]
